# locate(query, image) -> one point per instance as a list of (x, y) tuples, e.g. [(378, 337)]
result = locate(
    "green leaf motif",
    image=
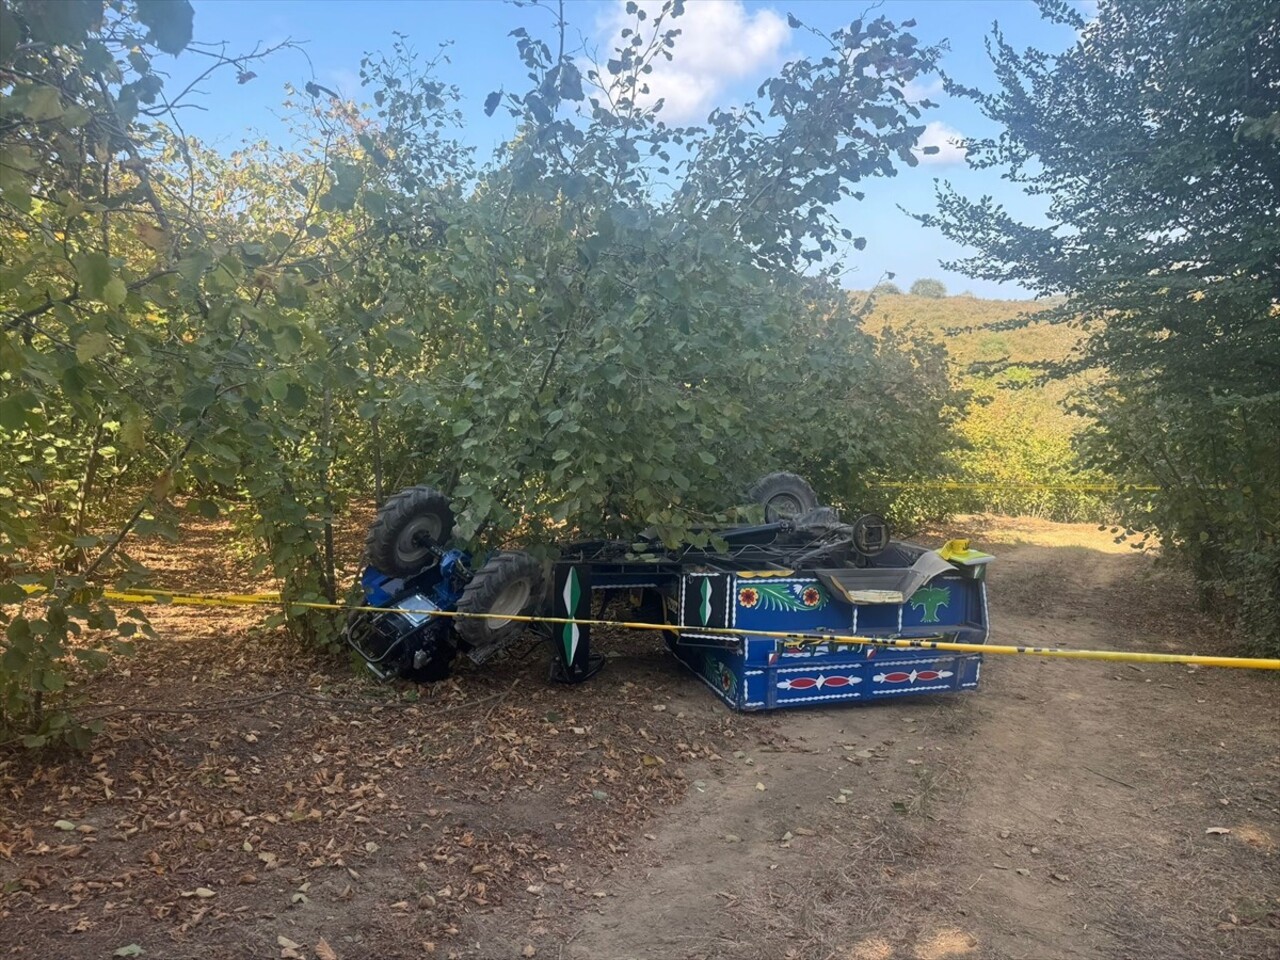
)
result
[(929, 600), (789, 597)]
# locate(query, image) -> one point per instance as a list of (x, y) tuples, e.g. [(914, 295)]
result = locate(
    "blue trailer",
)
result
[(751, 671)]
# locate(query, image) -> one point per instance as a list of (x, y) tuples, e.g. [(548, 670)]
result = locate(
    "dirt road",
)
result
[(251, 801), (1060, 813)]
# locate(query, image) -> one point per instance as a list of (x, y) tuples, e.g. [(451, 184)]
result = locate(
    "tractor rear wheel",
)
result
[(509, 583), (408, 526), (784, 496)]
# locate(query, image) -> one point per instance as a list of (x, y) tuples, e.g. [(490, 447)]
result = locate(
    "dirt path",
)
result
[(251, 801), (1059, 813)]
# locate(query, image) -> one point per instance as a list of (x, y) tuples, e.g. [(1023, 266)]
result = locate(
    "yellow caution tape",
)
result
[(1012, 485), (149, 595), (808, 639)]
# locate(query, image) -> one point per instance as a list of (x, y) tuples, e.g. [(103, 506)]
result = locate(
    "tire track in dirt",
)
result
[(1100, 780)]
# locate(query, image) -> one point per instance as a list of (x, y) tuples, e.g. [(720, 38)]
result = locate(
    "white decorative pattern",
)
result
[(818, 683), (893, 690), (851, 695), (570, 582), (906, 663), (911, 677)]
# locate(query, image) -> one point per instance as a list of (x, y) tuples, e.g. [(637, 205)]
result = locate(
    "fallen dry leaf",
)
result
[(324, 951)]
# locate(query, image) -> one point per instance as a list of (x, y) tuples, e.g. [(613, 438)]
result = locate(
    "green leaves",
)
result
[(15, 410), (92, 345), (35, 102), (10, 33), (1161, 244), (93, 273), (341, 195), (571, 338), (170, 23), (114, 293), (66, 22)]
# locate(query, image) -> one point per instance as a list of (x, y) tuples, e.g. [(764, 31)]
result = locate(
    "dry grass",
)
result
[(989, 531)]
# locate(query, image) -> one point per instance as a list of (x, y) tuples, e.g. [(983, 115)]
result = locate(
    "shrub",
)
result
[(927, 287)]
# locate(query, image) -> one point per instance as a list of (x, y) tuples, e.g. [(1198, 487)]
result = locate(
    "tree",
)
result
[(1155, 140), (580, 335), (926, 287), (887, 288)]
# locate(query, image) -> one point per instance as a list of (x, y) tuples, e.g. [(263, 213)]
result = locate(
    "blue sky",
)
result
[(727, 47)]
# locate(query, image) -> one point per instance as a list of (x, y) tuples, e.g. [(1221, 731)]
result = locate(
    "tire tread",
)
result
[(398, 510)]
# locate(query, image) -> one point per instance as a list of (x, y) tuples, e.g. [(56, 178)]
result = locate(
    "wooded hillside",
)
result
[(1016, 426)]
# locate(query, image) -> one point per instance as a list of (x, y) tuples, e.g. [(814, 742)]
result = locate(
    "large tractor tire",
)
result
[(407, 527), (509, 583), (784, 496)]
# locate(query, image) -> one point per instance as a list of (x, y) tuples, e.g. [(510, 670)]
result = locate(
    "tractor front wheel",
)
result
[(784, 496), (508, 585)]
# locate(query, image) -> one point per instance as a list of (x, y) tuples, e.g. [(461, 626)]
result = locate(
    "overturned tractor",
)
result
[(802, 572)]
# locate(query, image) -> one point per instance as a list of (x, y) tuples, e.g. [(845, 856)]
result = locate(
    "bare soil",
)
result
[(250, 799)]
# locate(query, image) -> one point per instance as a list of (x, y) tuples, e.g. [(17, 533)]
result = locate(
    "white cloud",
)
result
[(720, 42), (344, 80), (938, 134), (928, 89)]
